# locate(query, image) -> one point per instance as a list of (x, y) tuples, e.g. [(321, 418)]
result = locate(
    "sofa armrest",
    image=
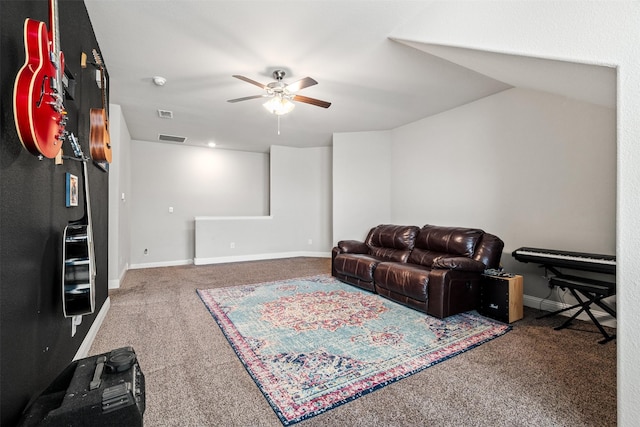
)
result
[(459, 263), (353, 247), (452, 291)]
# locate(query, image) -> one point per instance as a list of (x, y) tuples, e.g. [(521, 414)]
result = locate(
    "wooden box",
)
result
[(501, 297)]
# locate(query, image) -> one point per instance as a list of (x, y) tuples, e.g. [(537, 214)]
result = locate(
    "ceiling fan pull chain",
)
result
[(278, 125)]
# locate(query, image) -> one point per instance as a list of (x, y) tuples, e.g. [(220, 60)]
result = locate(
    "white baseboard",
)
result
[(115, 283), (83, 351), (548, 305), (258, 257), (161, 264)]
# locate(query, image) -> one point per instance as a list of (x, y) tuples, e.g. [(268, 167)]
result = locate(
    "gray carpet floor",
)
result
[(531, 376)]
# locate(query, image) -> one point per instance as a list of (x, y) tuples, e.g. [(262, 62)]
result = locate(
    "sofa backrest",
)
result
[(489, 250), (435, 241), (392, 242)]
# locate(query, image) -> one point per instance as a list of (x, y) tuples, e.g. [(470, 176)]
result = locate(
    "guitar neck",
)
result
[(104, 99), (87, 199), (103, 80), (54, 36)]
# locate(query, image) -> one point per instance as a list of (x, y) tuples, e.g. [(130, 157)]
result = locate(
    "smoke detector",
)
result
[(159, 81)]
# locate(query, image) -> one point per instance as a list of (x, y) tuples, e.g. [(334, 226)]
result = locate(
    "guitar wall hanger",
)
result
[(75, 159), (69, 83), (96, 64), (84, 62)]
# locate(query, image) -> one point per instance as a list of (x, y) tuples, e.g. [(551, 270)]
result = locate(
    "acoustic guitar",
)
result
[(38, 110), (78, 267), (99, 140)]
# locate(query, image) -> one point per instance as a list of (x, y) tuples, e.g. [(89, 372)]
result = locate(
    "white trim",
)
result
[(83, 351), (115, 283), (257, 257), (548, 305), (161, 264), (230, 218)]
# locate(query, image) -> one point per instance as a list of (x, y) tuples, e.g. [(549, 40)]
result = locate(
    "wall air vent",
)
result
[(165, 114), (172, 138)]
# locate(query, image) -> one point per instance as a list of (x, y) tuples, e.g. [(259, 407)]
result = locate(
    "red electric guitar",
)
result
[(38, 93)]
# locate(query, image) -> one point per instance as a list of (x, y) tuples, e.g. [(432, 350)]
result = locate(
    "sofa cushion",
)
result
[(459, 263), (405, 279), (424, 257), (434, 241), (392, 242), (356, 265)]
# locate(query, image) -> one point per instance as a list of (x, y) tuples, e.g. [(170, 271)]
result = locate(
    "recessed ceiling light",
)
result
[(211, 144)]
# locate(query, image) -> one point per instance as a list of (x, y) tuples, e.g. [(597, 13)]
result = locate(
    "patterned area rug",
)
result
[(314, 343)]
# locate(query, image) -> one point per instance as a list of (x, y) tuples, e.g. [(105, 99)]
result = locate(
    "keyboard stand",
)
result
[(594, 291)]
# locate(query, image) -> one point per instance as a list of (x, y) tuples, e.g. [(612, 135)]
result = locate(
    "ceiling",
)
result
[(373, 81)]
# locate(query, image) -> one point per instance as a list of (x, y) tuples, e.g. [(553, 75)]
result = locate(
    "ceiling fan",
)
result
[(281, 93)]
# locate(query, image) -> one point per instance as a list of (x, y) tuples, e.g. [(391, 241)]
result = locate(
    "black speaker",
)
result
[(99, 391)]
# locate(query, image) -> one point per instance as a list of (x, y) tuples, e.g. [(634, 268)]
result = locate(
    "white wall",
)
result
[(119, 191), (300, 219), (193, 181), (301, 195), (361, 183), (534, 168), (595, 32)]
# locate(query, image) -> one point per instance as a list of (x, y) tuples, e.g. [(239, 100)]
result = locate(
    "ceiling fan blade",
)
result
[(301, 84), (248, 80), (312, 101), (246, 98)]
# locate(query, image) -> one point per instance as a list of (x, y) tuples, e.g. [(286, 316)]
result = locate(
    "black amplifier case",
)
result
[(100, 391), (501, 297)]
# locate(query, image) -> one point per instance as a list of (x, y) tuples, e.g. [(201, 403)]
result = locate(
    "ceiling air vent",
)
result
[(172, 138), (165, 114)]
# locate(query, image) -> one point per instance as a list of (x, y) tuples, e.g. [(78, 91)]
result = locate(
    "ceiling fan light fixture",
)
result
[(279, 105)]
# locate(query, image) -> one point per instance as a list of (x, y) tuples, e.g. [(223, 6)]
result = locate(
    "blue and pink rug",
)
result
[(314, 343)]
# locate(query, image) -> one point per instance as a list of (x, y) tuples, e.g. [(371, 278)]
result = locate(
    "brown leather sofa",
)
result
[(433, 269)]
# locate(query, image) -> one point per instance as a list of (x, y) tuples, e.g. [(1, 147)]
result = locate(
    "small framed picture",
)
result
[(72, 190)]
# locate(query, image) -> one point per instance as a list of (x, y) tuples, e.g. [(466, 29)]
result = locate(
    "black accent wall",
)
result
[(35, 337)]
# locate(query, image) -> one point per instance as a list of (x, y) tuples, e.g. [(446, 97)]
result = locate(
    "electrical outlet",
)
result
[(146, 251), (232, 245), (310, 242)]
